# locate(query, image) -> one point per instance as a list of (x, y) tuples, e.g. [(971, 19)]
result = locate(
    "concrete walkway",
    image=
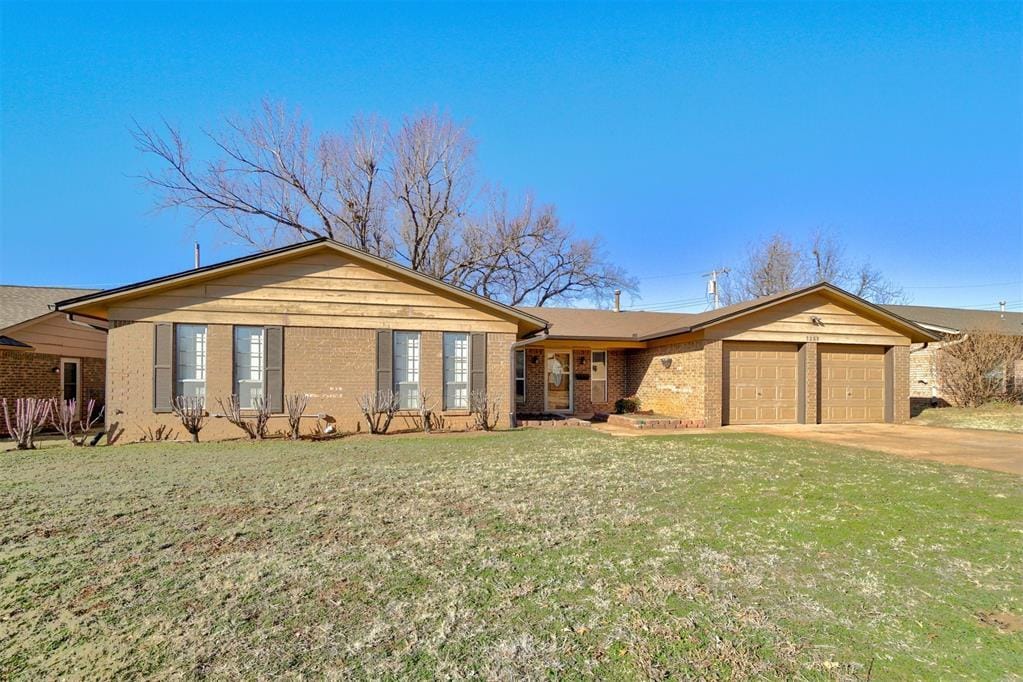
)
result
[(994, 450)]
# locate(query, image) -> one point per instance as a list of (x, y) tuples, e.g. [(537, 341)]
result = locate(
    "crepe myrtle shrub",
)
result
[(24, 419), (378, 409), (191, 410), (979, 367), (295, 405), (254, 428), (64, 417), (426, 417), (486, 411)]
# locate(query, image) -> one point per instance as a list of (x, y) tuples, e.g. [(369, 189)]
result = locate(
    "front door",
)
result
[(559, 381)]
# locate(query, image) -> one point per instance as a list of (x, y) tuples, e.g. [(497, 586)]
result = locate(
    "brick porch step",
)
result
[(651, 422)]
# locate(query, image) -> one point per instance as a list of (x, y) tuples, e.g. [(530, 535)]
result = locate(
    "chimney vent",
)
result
[(1001, 306), (197, 255), (618, 300)]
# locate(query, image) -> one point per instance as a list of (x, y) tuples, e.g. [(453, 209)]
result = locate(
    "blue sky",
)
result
[(678, 133)]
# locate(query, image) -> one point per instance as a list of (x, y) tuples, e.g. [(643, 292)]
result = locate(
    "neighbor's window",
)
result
[(520, 376), (456, 371), (190, 365), (249, 365), (406, 369), (598, 377)]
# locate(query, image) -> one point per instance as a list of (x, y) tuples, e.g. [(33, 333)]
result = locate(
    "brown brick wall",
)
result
[(901, 381), (24, 374), (677, 390), (535, 378), (810, 356), (334, 366), (714, 363)]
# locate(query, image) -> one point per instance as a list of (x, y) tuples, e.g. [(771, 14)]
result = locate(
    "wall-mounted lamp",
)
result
[(55, 370), (665, 363), (582, 360), (535, 358), (817, 321)]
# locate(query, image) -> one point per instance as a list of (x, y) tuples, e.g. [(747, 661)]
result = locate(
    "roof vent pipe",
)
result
[(197, 255), (1001, 306), (618, 300)]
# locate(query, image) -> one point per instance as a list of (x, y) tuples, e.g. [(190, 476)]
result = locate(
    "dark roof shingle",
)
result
[(18, 303), (961, 319)]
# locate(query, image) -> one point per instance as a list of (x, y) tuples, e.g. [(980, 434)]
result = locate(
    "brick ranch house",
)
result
[(43, 354), (950, 324), (335, 323)]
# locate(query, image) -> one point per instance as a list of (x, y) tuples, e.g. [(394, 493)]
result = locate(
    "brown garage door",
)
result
[(762, 382), (852, 384)]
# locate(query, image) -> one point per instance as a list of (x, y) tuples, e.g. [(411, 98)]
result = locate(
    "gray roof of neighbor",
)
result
[(587, 323), (18, 304), (962, 319)]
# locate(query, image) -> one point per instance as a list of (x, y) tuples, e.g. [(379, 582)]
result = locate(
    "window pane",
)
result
[(249, 364), (70, 371), (406, 369), (520, 376), (190, 365), (456, 371)]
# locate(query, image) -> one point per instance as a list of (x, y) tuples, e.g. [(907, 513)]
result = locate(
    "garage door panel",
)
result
[(761, 383), (852, 384)]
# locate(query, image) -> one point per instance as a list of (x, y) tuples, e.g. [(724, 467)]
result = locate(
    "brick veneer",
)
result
[(811, 358), (677, 389), (535, 378), (714, 362), (901, 381), (334, 366), (24, 374)]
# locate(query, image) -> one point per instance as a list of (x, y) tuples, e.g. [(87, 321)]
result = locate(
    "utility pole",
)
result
[(712, 285)]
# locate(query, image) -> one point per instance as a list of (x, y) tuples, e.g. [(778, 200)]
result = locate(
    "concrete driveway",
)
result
[(995, 450)]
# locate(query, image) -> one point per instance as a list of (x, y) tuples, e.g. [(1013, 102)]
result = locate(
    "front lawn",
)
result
[(996, 417), (538, 553)]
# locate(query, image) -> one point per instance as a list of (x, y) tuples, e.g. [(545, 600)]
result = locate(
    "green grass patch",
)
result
[(993, 417), (539, 553)]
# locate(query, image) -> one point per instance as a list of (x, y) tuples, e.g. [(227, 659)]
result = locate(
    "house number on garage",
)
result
[(811, 337)]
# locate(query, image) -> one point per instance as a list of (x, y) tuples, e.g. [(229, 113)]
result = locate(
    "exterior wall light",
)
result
[(665, 363)]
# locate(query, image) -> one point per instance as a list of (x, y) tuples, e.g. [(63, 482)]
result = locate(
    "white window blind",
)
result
[(190, 360), (456, 371), (406, 369), (249, 365)]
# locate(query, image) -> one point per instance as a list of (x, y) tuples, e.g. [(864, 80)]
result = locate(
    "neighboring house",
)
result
[(949, 324), (43, 354), (322, 319)]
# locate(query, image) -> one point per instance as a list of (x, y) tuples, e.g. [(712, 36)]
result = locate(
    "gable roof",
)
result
[(645, 326), (77, 303), (19, 304), (961, 319)]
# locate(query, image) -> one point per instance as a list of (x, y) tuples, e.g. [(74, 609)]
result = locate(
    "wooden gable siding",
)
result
[(791, 321), (317, 290), (53, 334)]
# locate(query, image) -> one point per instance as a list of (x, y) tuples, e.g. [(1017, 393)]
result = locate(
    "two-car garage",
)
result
[(771, 383)]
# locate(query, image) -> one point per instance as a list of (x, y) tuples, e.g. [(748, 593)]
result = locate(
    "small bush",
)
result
[(628, 405), (378, 408), (191, 411), (254, 428), (486, 411), (64, 418), (28, 418), (979, 368), (295, 404)]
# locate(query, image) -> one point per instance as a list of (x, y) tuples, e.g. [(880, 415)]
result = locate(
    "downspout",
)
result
[(516, 346)]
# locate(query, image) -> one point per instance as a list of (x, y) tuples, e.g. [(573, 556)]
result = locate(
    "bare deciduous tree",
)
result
[(779, 264), (69, 423), (407, 194), (254, 428), (295, 405), (378, 408), (486, 411), (191, 410), (29, 417), (978, 368)]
